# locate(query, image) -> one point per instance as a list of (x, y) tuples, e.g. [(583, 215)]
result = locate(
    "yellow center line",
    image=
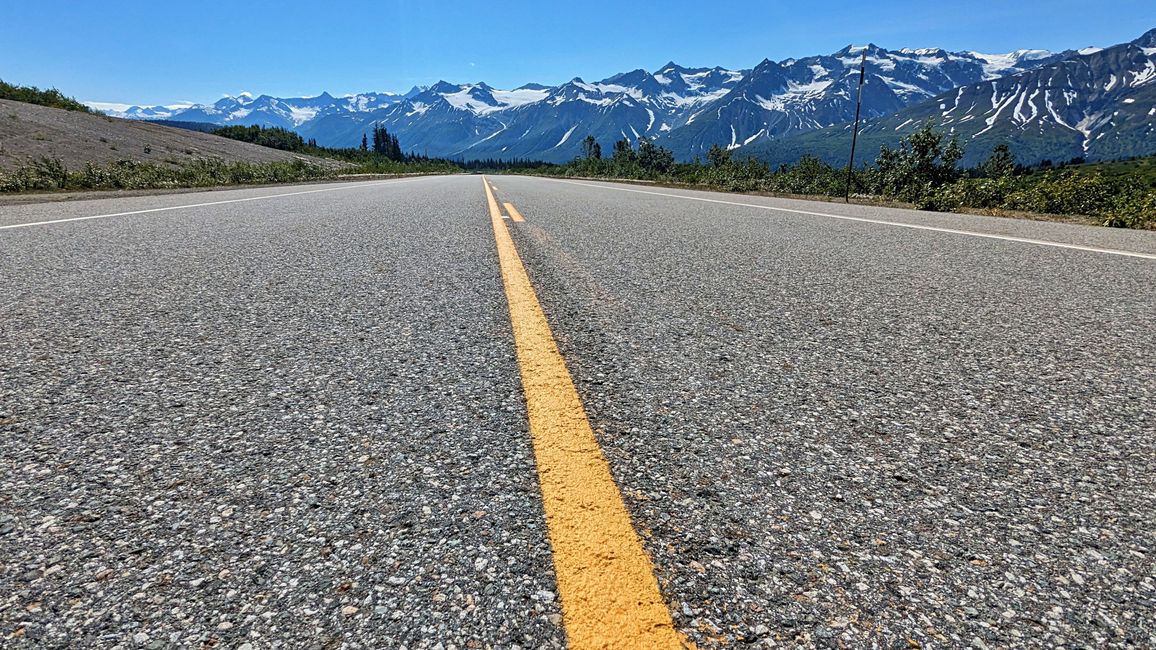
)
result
[(606, 583), (514, 214), (495, 211)]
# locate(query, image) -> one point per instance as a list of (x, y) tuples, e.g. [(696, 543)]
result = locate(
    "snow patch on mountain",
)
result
[(521, 97), (566, 137), (301, 115), (999, 65)]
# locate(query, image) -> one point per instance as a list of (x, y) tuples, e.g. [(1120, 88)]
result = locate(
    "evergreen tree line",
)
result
[(498, 164), (384, 143), (922, 169), (386, 151), (648, 157), (273, 137)]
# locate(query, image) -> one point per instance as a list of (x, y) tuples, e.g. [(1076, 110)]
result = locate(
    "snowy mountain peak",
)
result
[(857, 51), (924, 51), (1001, 65), (441, 87), (686, 109)]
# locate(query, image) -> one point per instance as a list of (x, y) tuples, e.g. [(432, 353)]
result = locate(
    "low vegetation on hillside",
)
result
[(33, 95), (922, 170), (382, 154), (49, 173)]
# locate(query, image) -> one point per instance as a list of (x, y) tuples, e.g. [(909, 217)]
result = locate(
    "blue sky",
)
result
[(159, 52)]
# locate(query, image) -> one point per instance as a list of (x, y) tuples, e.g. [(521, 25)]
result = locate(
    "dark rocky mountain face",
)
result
[(1100, 104)]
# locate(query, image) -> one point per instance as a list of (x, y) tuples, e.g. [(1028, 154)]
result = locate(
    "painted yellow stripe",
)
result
[(495, 211), (606, 583), (513, 212)]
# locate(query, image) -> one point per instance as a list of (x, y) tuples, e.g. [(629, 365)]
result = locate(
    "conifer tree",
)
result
[(623, 151), (380, 139), (654, 157), (591, 149), (718, 156), (1001, 164)]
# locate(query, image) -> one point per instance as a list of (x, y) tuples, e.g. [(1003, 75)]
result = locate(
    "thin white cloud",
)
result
[(108, 106)]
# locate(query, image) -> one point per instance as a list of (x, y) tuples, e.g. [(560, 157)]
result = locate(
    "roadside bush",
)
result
[(808, 176), (33, 95), (42, 174), (922, 163), (1137, 212), (983, 193), (1122, 202), (921, 170), (747, 175), (1065, 193), (51, 174), (1118, 202)]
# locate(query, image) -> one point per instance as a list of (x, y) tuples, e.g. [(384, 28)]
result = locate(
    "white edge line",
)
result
[(1022, 240), (342, 186)]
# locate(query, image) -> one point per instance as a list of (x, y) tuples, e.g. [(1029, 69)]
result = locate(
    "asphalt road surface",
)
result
[(297, 417)]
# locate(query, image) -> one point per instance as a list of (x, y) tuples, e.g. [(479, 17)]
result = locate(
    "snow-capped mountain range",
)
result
[(246, 109), (685, 109), (1096, 104)]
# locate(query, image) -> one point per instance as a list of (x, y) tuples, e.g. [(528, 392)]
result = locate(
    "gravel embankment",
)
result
[(30, 132)]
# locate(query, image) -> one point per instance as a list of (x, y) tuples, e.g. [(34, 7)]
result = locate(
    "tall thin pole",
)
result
[(855, 133)]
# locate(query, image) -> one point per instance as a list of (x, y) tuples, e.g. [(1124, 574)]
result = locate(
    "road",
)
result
[(397, 414)]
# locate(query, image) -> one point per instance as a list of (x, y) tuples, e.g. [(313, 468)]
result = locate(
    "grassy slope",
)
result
[(29, 132), (1141, 168)]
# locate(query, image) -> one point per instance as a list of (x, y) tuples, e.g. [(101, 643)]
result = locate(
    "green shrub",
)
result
[(1120, 202), (51, 174), (922, 170), (33, 95), (922, 163), (969, 193), (809, 176)]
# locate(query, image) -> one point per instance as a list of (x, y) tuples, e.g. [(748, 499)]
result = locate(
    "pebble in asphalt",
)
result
[(290, 423)]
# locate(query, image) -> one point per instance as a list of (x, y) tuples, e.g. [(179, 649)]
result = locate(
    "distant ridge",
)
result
[(773, 110)]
